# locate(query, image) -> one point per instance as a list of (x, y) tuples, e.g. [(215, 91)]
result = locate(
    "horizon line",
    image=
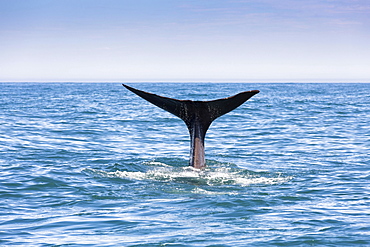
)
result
[(195, 81)]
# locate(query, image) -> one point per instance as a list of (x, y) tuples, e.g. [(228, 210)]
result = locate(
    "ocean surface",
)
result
[(92, 164)]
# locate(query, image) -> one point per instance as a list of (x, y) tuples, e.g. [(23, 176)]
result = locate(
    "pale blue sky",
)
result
[(184, 40)]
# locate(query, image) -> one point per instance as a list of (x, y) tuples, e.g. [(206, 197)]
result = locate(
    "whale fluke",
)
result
[(197, 115)]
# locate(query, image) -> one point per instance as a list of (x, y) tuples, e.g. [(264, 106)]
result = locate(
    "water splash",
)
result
[(217, 175)]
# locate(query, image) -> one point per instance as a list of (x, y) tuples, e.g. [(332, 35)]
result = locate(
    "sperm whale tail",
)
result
[(197, 115)]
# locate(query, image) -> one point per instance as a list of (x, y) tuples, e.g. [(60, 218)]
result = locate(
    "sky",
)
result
[(184, 40)]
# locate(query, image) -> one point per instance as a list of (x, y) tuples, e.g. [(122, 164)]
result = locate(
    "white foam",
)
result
[(210, 177)]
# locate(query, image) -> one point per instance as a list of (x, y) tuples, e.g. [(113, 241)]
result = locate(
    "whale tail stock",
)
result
[(197, 115)]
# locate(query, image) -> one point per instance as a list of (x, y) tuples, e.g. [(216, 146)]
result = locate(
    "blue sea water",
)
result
[(92, 164)]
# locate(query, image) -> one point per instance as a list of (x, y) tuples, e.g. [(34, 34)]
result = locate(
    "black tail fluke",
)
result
[(197, 115)]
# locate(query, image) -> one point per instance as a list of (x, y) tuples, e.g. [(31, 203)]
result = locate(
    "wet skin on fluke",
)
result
[(197, 115)]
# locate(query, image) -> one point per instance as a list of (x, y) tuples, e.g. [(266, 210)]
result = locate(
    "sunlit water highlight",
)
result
[(94, 165)]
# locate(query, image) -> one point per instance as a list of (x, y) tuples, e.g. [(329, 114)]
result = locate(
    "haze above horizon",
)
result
[(167, 40)]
